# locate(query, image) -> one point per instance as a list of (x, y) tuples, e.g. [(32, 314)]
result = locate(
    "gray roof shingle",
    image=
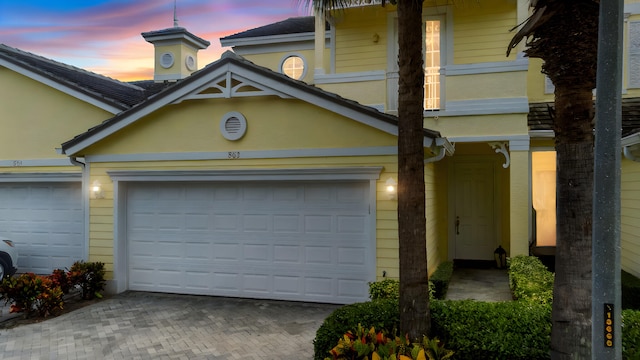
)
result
[(294, 25), (541, 116), (116, 93), (230, 57)]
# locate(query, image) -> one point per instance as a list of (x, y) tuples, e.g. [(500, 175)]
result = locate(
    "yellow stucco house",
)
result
[(265, 174)]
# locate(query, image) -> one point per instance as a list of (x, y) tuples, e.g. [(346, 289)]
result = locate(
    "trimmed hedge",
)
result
[(631, 334), (514, 330), (476, 330), (381, 314), (473, 329), (530, 280), (384, 289), (441, 278), (630, 291), (438, 284)]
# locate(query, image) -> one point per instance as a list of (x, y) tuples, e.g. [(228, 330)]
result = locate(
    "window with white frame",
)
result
[(433, 52), (293, 66), (633, 64), (432, 65)]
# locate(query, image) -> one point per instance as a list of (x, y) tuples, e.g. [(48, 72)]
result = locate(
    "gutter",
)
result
[(630, 141), (627, 154), (444, 148), (75, 162)]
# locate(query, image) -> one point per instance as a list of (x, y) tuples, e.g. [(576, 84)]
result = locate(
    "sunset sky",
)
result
[(104, 35)]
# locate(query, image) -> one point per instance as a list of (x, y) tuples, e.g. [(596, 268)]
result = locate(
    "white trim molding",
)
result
[(377, 75), (34, 162), (483, 107), (486, 68), (234, 155), (293, 174), (40, 177)]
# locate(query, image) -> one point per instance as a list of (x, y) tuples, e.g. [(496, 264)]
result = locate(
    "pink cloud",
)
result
[(106, 38)]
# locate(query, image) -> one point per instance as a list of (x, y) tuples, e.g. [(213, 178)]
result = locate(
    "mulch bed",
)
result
[(71, 302)]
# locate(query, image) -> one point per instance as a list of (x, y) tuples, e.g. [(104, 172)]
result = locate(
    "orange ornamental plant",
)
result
[(363, 344)]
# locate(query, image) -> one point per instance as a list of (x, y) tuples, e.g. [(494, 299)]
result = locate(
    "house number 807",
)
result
[(234, 154)]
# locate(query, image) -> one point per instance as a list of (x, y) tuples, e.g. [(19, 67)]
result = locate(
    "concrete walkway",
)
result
[(137, 325), (479, 284)]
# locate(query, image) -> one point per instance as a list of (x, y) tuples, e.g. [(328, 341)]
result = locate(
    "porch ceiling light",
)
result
[(391, 186)]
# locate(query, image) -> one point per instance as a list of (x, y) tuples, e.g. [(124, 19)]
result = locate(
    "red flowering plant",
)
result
[(60, 278), (363, 344), (29, 292)]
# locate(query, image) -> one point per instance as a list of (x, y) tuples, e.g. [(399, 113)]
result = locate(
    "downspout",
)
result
[(627, 154), (83, 166), (74, 161)]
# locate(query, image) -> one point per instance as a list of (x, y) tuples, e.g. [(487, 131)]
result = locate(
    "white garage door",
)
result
[(290, 241), (45, 220)]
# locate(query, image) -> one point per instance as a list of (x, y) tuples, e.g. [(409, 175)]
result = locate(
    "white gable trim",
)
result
[(269, 84), (300, 174), (60, 87), (255, 154)]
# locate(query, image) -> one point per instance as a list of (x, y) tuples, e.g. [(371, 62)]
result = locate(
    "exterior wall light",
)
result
[(96, 190), (391, 187)]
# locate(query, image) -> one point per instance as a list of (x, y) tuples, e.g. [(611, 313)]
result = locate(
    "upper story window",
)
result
[(634, 55), (433, 52), (293, 66), (432, 65)]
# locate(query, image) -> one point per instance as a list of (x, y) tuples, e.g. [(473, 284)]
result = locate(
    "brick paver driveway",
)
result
[(137, 325)]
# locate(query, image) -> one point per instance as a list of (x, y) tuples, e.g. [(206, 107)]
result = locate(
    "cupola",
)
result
[(176, 52)]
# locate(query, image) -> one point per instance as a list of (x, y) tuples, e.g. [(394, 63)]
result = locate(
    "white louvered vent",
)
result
[(166, 60), (233, 126)]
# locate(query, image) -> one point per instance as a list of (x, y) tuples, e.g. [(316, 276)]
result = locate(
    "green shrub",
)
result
[(630, 291), (630, 334), (493, 330), (31, 293), (384, 289), (89, 276), (530, 280), (441, 278), (380, 314)]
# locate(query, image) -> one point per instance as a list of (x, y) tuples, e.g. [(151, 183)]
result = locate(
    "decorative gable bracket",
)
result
[(230, 85)]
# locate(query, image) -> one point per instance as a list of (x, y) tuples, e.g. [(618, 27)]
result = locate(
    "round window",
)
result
[(166, 60), (294, 67), (190, 62)]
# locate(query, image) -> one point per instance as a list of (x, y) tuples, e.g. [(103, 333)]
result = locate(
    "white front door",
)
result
[(474, 210)]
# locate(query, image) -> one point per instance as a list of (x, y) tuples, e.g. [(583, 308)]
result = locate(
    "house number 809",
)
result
[(234, 154)]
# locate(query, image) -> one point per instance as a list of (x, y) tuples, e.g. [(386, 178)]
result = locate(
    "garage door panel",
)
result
[(262, 240), (46, 221)]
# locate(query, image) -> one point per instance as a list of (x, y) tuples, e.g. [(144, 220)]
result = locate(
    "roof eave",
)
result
[(66, 87), (270, 39)]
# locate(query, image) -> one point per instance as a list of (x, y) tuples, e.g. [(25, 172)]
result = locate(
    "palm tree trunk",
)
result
[(414, 286), (571, 315)]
